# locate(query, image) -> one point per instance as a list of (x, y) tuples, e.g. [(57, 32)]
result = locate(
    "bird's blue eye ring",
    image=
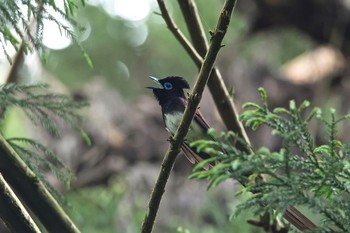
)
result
[(168, 86)]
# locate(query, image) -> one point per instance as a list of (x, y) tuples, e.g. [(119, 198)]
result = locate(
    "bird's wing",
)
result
[(193, 157), (198, 117), (190, 152)]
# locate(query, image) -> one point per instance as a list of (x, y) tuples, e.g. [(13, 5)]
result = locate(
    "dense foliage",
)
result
[(301, 173)]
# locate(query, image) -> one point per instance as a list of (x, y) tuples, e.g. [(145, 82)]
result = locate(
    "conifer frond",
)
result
[(43, 109), (300, 173), (21, 21), (40, 106), (39, 158)]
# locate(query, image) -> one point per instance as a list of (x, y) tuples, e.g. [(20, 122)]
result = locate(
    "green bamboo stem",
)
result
[(12, 212), (33, 192)]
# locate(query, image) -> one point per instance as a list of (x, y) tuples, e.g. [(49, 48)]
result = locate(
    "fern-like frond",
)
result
[(300, 173), (42, 156), (22, 22), (40, 106), (39, 158)]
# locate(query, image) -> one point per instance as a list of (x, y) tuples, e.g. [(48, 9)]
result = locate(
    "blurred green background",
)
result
[(128, 41)]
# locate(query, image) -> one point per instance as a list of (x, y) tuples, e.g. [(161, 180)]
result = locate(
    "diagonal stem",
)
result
[(13, 213), (193, 102), (223, 99), (32, 191)]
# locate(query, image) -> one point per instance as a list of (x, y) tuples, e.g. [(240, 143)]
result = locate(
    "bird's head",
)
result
[(169, 87)]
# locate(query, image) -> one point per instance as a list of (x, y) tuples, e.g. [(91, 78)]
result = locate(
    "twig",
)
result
[(196, 57), (33, 192), (12, 212), (195, 27), (12, 76), (190, 110)]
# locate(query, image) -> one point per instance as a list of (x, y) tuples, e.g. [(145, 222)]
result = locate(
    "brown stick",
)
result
[(190, 110)]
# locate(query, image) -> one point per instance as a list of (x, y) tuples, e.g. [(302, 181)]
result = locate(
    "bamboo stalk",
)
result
[(33, 192), (12, 212)]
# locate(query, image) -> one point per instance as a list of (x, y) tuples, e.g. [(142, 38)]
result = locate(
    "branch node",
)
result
[(171, 140), (157, 13)]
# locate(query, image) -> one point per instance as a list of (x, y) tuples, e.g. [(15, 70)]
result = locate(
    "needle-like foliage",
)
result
[(44, 109), (40, 106), (301, 173), (22, 23)]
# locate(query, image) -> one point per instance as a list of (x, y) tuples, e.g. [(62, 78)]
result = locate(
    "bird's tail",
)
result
[(297, 219)]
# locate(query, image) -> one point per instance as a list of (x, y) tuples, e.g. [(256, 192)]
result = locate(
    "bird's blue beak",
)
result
[(156, 81)]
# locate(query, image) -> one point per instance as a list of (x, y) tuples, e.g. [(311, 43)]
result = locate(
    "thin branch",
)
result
[(12, 77), (195, 27), (190, 110), (33, 192), (12, 212), (197, 59)]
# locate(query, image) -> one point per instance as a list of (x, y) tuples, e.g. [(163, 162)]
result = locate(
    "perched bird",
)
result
[(172, 99)]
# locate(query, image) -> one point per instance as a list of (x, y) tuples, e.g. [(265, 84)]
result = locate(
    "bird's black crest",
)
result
[(172, 87), (176, 81)]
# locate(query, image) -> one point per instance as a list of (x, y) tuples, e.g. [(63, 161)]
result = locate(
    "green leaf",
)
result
[(211, 151), (256, 125), (292, 105), (277, 156), (86, 137), (342, 213), (218, 180), (280, 110), (219, 168), (203, 163), (315, 111), (199, 175), (323, 191), (263, 150), (212, 133), (347, 116), (251, 105), (88, 60), (304, 105), (235, 164), (322, 149), (263, 94), (253, 177), (242, 192)]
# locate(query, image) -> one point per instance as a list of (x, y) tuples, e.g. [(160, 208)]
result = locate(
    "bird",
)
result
[(171, 97)]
